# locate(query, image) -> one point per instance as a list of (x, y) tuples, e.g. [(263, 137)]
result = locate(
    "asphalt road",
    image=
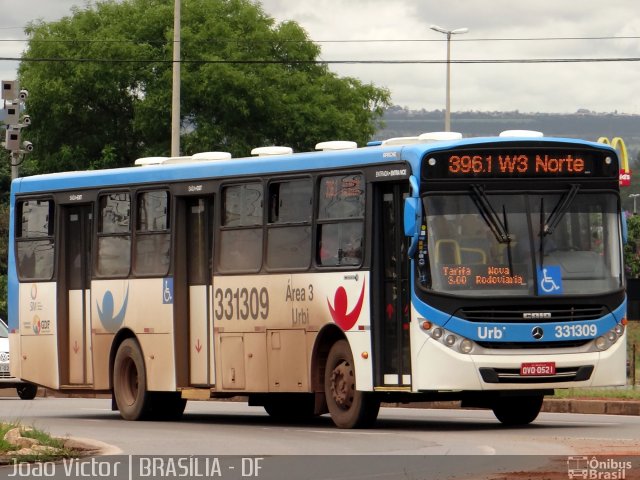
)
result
[(460, 442)]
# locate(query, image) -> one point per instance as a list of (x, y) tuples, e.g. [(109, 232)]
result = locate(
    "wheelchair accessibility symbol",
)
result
[(167, 290), (549, 280)]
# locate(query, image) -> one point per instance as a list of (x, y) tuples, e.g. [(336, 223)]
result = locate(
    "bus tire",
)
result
[(348, 407), (130, 381), (516, 410), (27, 391), (290, 408), (166, 406)]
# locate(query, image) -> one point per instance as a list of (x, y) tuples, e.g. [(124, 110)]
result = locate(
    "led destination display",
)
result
[(524, 162), (482, 276)]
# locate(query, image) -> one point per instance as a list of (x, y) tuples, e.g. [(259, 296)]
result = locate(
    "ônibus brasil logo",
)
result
[(338, 310)]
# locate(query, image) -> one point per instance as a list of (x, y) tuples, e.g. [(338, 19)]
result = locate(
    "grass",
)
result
[(629, 392), (56, 450)]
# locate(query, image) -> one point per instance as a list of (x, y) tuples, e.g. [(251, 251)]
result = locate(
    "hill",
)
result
[(401, 122)]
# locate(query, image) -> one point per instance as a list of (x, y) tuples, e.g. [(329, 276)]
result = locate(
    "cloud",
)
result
[(353, 30)]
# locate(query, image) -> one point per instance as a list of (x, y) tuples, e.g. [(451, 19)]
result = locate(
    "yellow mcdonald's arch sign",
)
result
[(618, 144)]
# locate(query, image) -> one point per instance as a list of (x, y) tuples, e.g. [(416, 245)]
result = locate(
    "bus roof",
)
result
[(235, 167)]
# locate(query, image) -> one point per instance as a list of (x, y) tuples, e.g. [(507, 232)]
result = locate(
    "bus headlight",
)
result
[(451, 340), (608, 339), (466, 346)]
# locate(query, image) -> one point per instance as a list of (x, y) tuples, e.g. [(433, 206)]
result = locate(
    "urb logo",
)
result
[(486, 332), (112, 323)]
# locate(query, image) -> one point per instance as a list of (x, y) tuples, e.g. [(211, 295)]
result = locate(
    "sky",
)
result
[(398, 30)]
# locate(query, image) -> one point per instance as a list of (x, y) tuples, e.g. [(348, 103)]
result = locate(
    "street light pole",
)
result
[(448, 33)]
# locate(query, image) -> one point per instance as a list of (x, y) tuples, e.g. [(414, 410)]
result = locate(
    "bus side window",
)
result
[(153, 240), (241, 232), (114, 235), (34, 239), (340, 228), (289, 224)]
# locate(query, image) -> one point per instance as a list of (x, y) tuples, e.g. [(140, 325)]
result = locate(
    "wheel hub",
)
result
[(342, 386)]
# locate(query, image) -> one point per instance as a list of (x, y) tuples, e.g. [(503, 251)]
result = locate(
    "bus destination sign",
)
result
[(526, 163)]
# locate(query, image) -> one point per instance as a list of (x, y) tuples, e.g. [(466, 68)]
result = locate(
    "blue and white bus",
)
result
[(486, 270)]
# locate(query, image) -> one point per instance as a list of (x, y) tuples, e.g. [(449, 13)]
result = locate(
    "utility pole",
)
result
[(14, 99), (175, 91)]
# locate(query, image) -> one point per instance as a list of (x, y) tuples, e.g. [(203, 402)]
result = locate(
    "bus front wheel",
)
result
[(130, 381), (348, 407), (517, 410)]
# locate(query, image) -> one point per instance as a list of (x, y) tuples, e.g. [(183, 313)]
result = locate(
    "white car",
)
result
[(26, 390)]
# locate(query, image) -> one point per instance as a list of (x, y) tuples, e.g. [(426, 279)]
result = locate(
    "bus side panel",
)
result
[(38, 339), (278, 316), (249, 313), (159, 361), (101, 345), (341, 298), (144, 306)]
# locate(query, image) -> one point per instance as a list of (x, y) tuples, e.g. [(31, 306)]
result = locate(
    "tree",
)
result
[(632, 247), (100, 85)]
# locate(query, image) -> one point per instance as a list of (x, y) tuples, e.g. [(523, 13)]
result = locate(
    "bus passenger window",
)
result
[(153, 239), (340, 229), (340, 244), (289, 226), (34, 240), (114, 237), (241, 232)]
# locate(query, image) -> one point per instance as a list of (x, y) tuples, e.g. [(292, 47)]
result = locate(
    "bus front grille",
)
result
[(536, 314)]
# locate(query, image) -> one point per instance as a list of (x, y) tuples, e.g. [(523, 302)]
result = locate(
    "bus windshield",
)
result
[(555, 243)]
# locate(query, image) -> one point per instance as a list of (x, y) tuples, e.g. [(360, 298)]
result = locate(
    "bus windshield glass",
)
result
[(520, 244)]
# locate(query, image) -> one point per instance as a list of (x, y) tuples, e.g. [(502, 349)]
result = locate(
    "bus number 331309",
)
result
[(242, 303), (564, 331)]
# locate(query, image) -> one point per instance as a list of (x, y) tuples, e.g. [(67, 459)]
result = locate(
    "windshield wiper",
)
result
[(499, 228), (489, 215), (559, 210)]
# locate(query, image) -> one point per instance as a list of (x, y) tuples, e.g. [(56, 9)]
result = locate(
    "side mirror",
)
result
[(412, 218), (625, 232)]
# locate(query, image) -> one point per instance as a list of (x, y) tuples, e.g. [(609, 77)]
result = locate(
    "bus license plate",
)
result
[(537, 369)]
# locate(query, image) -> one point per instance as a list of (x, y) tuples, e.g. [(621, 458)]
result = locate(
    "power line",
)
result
[(380, 40), (332, 62)]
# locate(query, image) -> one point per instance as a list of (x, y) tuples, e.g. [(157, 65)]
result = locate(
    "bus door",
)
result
[(78, 222), (390, 289), (199, 244)]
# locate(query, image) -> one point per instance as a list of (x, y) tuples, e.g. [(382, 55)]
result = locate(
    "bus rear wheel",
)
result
[(516, 410), (166, 406), (348, 407), (27, 391), (130, 381)]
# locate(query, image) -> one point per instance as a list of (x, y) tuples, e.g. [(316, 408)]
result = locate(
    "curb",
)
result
[(589, 406), (551, 405)]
